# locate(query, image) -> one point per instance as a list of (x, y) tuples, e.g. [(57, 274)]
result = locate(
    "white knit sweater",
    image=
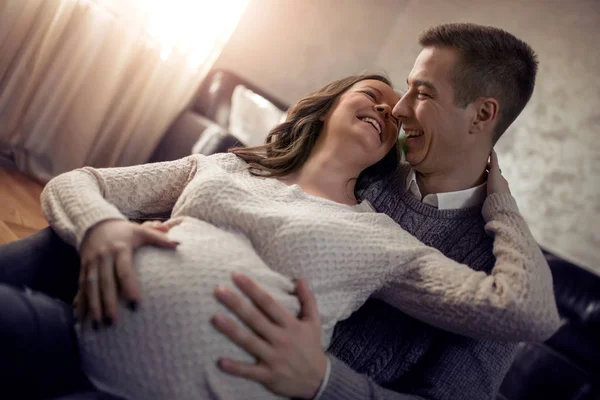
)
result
[(233, 221)]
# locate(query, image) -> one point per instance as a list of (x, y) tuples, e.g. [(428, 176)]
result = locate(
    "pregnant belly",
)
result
[(162, 349)]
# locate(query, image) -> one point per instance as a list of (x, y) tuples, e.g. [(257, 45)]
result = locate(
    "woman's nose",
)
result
[(384, 109)]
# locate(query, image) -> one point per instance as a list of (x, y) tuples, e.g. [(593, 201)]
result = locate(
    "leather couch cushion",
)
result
[(577, 292), (542, 373)]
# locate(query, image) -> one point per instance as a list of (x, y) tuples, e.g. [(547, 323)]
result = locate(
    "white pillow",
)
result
[(252, 116), (209, 141)]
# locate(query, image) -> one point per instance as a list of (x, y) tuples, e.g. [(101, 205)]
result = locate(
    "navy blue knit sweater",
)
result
[(400, 354)]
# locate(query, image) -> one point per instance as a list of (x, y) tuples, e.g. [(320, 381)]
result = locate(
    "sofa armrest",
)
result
[(181, 136)]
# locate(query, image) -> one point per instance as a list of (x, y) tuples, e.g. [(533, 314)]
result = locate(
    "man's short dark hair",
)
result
[(492, 63)]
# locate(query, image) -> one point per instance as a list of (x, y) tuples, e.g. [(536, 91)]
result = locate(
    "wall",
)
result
[(550, 155), (293, 47)]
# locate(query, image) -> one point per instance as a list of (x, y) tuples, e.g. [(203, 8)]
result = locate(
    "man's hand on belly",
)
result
[(290, 359)]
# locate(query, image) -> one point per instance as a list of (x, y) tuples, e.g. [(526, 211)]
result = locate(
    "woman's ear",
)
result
[(487, 113)]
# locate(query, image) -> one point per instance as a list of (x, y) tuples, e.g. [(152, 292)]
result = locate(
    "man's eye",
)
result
[(423, 94)]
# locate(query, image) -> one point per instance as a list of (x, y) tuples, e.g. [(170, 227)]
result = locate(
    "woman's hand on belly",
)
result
[(107, 268)]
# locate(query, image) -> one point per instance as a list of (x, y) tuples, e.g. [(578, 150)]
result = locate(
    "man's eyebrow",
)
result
[(421, 82)]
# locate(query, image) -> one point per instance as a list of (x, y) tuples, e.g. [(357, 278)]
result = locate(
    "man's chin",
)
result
[(414, 161)]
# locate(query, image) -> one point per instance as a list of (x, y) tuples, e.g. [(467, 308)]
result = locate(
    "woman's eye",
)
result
[(371, 95)]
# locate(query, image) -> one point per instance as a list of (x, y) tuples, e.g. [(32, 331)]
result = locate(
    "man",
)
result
[(468, 84)]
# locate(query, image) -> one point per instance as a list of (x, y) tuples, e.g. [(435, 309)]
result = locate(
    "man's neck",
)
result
[(449, 181)]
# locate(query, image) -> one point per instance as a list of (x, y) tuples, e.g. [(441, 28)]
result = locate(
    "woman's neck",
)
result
[(325, 175)]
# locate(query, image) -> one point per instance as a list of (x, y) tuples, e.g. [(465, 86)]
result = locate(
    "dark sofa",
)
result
[(566, 367), (210, 108)]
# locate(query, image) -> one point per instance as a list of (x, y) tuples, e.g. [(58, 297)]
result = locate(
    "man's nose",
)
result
[(402, 109)]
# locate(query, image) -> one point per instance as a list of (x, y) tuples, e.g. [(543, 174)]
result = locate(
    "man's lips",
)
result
[(413, 133)]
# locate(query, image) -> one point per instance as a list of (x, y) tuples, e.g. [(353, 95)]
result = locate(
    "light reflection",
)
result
[(192, 27), (181, 28)]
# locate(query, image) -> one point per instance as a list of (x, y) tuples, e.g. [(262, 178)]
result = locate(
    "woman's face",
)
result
[(361, 122)]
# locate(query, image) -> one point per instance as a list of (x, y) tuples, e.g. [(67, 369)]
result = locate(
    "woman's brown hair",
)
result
[(289, 144)]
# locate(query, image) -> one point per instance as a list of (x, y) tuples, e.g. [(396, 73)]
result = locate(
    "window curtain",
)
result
[(97, 82)]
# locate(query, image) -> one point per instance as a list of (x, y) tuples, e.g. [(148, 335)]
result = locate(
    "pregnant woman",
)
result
[(255, 211)]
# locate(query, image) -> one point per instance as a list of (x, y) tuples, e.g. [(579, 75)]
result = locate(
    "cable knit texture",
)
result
[(228, 220), (380, 352)]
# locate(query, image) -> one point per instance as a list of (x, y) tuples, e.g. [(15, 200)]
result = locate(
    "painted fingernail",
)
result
[(107, 321), (133, 305), (95, 325)]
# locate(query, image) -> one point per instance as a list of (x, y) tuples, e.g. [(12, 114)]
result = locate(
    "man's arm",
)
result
[(463, 368), (437, 365), (469, 369), (290, 359), (460, 368), (345, 383)]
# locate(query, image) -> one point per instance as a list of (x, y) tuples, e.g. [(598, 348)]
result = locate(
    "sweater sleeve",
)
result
[(75, 201), (465, 369), (515, 302), (345, 383)]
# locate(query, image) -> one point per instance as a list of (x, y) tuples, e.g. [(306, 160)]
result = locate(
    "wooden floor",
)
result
[(20, 211)]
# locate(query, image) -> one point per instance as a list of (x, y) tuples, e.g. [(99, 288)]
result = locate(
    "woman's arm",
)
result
[(515, 302), (77, 200), (89, 207)]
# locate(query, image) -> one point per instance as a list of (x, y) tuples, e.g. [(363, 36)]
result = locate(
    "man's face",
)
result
[(437, 129)]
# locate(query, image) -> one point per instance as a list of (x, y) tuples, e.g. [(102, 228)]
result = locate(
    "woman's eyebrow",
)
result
[(375, 89)]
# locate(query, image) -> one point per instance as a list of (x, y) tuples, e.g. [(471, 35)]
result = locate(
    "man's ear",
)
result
[(486, 115)]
